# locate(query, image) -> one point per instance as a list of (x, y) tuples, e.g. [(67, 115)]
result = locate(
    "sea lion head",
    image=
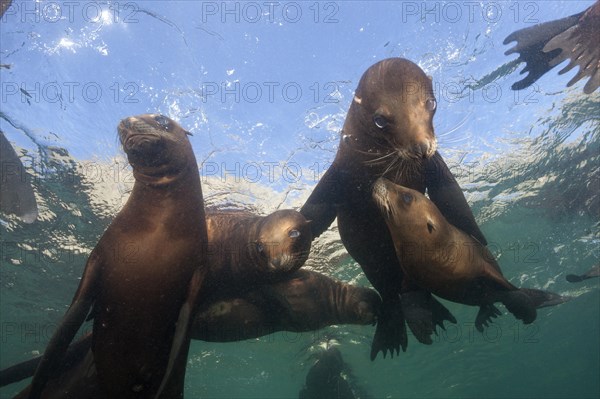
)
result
[(157, 147), (284, 240), (411, 217), (394, 106)]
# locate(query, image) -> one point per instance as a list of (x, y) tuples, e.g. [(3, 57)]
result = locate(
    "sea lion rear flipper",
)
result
[(390, 333), (440, 313), (530, 45), (542, 299), (423, 313), (593, 272), (68, 327), (446, 194), (320, 207), (573, 278), (485, 315), (520, 305), (181, 338)]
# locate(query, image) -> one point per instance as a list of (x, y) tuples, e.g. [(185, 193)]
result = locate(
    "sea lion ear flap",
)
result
[(188, 133), (430, 226), (308, 223)]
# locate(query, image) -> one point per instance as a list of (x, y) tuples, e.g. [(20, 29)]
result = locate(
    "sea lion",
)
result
[(246, 249), (145, 273), (546, 45), (4, 4), (304, 302), (448, 262), (325, 379), (388, 132), (593, 272), (17, 196)]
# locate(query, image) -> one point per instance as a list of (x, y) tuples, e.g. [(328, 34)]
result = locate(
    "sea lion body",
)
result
[(305, 301), (325, 379), (246, 249), (145, 272), (388, 132), (448, 262)]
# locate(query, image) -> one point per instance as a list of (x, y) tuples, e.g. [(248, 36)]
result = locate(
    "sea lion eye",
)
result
[(163, 121), (431, 104), (407, 198), (380, 121), (294, 234)]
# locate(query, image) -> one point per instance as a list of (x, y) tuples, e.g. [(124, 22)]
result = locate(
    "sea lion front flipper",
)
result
[(181, 338), (320, 207), (485, 315), (390, 333), (418, 315), (423, 313), (75, 353), (520, 305), (17, 196), (446, 194), (530, 45), (73, 319)]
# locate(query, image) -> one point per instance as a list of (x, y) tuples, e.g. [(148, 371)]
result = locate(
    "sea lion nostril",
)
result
[(420, 150)]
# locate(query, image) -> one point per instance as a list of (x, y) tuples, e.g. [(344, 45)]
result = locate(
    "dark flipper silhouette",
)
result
[(423, 314), (16, 196), (542, 299), (546, 45), (26, 369), (592, 273), (390, 333), (321, 206), (68, 327), (485, 315)]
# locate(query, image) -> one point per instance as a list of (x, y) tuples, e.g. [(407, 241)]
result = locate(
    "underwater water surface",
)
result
[(264, 88)]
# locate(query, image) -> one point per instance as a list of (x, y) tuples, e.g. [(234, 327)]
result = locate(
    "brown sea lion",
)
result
[(145, 272), (593, 272), (304, 302), (388, 132), (546, 45), (448, 262), (246, 249), (4, 4)]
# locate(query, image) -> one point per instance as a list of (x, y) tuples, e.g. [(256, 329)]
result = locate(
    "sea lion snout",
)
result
[(420, 148), (137, 135)]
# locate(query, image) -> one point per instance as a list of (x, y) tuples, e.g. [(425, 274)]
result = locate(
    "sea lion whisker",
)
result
[(392, 164), (381, 159)]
